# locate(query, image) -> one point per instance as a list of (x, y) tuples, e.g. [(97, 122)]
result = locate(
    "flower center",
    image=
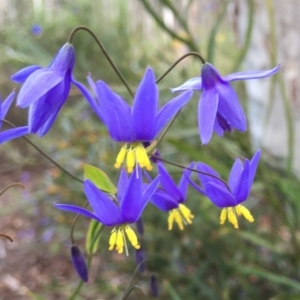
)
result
[(118, 239), (134, 153), (181, 215), (233, 212)]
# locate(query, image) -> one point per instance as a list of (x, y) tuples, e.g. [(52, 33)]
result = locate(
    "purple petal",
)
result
[(116, 113), (242, 190), (169, 110), (235, 175), (14, 133), (105, 209), (122, 183), (253, 166), (251, 74), (145, 106), (40, 111), (6, 105), (168, 183), (205, 179), (22, 75), (37, 85), (77, 210), (87, 95), (192, 84), (220, 196), (196, 186), (230, 108), (64, 60), (163, 201), (207, 111), (132, 203), (151, 189), (217, 127), (184, 182)]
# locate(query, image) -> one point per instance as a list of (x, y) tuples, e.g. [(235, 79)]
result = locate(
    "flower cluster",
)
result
[(138, 128)]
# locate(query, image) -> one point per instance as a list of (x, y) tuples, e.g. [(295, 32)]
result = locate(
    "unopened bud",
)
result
[(79, 263), (154, 286), (140, 226), (140, 256)]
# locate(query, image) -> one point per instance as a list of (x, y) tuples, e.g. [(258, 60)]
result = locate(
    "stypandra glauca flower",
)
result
[(131, 202), (138, 124)]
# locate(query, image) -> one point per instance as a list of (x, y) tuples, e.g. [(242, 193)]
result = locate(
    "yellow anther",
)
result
[(130, 160), (186, 213), (232, 218), (121, 157), (246, 213), (112, 239), (132, 237), (181, 216), (233, 212), (223, 216), (142, 157), (120, 242), (117, 238)]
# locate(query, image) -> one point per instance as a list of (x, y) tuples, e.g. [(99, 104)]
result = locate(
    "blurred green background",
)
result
[(205, 261)]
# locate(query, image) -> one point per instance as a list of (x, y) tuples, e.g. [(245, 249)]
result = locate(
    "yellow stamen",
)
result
[(233, 212), (132, 237), (134, 153), (112, 239), (130, 160), (223, 216), (181, 215), (117, 238), (121, 157), (232, 218), (246, 213)]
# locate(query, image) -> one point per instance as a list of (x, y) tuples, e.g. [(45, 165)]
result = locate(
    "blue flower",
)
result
[(131, 203), (229, 197), (45, 90), (171, 197), (219, 109), (137, 124), (11, 133)]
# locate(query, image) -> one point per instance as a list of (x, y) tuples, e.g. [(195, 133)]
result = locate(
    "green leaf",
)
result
[(93, 238), (99, 178), (267, 275)]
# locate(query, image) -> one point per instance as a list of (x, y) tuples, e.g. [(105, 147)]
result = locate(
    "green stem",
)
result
[(89, 261), (245, 48), (286, 104), (177, 62), (189, 42), (44, 154), (11, 185), (101, 46)]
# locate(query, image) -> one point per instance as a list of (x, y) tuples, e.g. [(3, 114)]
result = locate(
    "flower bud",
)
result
[(154, 286), (140, 256), (140, 226), (79, 263)]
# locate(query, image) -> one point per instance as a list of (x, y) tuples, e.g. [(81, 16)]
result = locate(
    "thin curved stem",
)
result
[(100, 45), (178, 61), (44, 154), (74, 223), (12, 185), (6, 236), (191, 169)]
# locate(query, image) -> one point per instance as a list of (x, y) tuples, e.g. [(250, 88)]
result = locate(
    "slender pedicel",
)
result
[(177, 62), (70, 38), (44, 154)]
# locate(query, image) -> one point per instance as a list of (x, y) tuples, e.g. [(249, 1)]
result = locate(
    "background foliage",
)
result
[(206, 260)]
